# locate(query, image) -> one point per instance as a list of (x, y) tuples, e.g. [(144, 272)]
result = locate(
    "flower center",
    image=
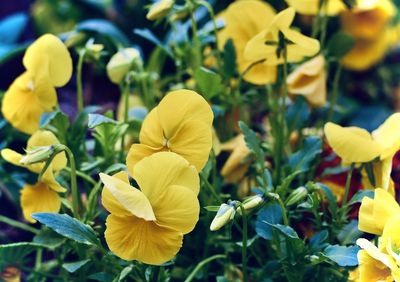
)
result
[(166, 143), (30, 85)]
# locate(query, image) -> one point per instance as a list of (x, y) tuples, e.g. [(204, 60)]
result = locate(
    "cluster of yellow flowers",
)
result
[(148, 224), (48, 65)]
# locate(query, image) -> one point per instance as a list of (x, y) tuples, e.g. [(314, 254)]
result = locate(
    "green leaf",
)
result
[(124, 273), (211, 208), (208, 82), (57, 122), (332, 201), (68, 227), (97, 119), (286, 230), (339, 45), (71, 267), (147, 34), (49, 239), (14, 254), (301, 160), (350, 233), (357, 198), (318, 240), (270, 214), (297, 114), (105, 28), (229, 67), (343, 256), (251, 139)]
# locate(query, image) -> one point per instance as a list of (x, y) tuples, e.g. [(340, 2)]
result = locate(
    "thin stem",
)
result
[(284, 215), (38, 259), (74, 187), (125, 95), (82, 175), (244, 244), (347, 187), (335, 91), (79, 89), (211, 188), (18, 224), (201, 264)]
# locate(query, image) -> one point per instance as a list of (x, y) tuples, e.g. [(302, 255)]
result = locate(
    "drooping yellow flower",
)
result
[(42, 196), (309, 80), (159, 9), (311, 7), (243, 20), (48, 65), (238, 162), (368, 18), (181, 123), (375, 213), (148, 224), (265, 45)]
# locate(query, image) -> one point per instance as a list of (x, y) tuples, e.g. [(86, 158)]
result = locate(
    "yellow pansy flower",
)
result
[(42, 196), (243, 20), (148, 224), (181, 123), (311, 7), (237, 164), (368, 18), (309, 80), (264, 46), (159, 9), (48, 64)]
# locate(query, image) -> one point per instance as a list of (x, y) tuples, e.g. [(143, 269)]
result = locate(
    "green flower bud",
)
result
[(159, 9), (297, 195), (37, 155), (251, 203), (121, 63), (224, 215)]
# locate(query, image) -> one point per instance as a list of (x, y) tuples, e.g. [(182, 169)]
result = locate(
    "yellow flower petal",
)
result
[(171, 169), (180, 106), (137, 152), (110, 203), (38, 198), (129, 197), (370, 269), (151, 132), (132, 238), (391, 235), (49, 179), (311, 7), (373, 251), (59, 60), (193, 141), (366, 219), (352, 144), (303, 46), (177, 208), (385, 206), (388, 135)]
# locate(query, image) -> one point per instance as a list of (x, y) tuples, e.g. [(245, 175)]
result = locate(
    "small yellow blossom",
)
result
[(309, 80), (311, 7), (42, 196), (159, 9), (264, 46), (181, 123), (148, 224), (48, 64), (243, 20)]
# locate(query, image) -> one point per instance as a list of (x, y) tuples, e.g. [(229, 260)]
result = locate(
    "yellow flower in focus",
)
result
[(148, 224), (159, 9), (243, 20), (42, 196), (181, 123), (375, 213), (238, 163), (309, 80), (48, 64), (311, 7), (266, 44), (368, 18)]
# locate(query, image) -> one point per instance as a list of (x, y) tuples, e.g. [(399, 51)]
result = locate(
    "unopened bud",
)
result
[(37, 155), (251, 203), (159, 9), (297, 195), (224, 215), (121, 63)]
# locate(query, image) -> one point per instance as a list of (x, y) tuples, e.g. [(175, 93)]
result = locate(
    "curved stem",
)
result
[(201, 264), (79, 89)]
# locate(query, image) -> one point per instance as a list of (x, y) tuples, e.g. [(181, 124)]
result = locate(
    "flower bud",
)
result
[(297, 195), (37, 155), (251, 203), (159, 9), (224, 215), (121, 63)]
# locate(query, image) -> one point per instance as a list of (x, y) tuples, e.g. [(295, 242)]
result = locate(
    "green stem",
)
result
[(83, 175), (125, 95), (18, 224), (38, 259), (211, 189), (284, 214), (347, 187), (79, 89), (155, 273), (74, 187), (335, 91), (201, 264), (244, 244)]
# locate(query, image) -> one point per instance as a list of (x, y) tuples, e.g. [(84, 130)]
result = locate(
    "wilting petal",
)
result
[(129, 197), (137, 152), (151, 133), (181, 106), (171, 169), (388, 135), (193, 141), (352, 144), (59, 59), (132, 238), (110, 202), (38, 198), (178, 208)]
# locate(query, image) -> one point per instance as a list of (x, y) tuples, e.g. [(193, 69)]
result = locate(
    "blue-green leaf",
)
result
[(357, 198), (12, 27), (14, 254), (269, 214), (301, 160), (97, 119), (71, 267), (350, 233), (343, 256), (105, 28)]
